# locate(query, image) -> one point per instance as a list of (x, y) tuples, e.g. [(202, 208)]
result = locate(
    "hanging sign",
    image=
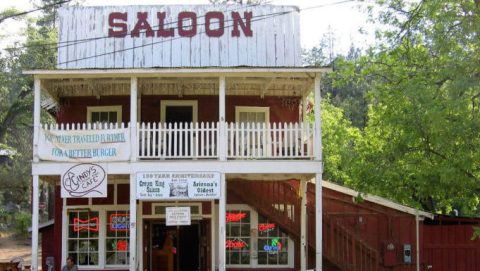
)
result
[(84, 181), (177, 216), (178, 185), (84, 145)]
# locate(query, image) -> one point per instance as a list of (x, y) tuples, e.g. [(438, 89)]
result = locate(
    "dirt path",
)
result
[(11, 246)]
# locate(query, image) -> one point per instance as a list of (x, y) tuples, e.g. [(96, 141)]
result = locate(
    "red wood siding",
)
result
[(48, 250), (450, 248), (74, 110)]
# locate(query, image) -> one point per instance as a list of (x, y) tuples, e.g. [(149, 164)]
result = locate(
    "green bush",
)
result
[(23, 220)]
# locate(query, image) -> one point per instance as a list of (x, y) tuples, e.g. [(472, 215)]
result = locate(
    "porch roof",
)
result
[(307, 72)]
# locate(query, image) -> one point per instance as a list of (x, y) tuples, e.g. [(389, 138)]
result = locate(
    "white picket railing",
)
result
[(177, 140), (200, 140), (270, 141)]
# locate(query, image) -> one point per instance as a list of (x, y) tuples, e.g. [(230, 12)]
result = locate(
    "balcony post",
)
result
[(133, 185), (222, 141), (133, 118), (318, 176), (222, 224), (36, 117)]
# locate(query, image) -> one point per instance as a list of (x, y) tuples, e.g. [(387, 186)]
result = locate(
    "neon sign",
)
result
[(89, 224), (235, 217), (119, 222), (266, 227), (235, 244), (274, 247), (120, 245)]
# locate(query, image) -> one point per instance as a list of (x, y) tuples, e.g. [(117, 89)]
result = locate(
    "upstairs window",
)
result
[(252, 114), (104, 114)]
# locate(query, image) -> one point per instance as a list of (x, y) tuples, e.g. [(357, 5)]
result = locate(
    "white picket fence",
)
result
[(177, 140), (270, 140), (244, 140), (200, 140)]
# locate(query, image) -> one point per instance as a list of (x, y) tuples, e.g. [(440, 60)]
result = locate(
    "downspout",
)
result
[(417, 230)]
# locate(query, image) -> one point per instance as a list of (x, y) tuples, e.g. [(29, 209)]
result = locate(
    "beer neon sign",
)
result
[(89, 224), (274, 247), (266, 227), (235, 217), (235, 244), (119, 222)]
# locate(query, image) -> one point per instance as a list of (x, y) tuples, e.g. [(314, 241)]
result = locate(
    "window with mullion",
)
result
[(117, 238), (272, 243), (83, 237), (238, 237)]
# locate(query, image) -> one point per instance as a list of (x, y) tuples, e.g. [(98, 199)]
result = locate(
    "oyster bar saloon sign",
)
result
[(178, 185)]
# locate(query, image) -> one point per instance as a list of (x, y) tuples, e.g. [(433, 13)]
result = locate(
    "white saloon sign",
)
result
[(84, 145), (178, 185), (179, 36)]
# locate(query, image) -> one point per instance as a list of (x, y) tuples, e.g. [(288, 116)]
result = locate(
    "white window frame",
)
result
[(106, 108), (252, 109), (102, 234), (254, 242), (192, 103)]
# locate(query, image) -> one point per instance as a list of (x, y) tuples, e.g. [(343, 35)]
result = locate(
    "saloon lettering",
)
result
[(186, 24)]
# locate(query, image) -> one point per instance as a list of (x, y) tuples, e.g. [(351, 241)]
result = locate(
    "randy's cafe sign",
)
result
[(179, 36)]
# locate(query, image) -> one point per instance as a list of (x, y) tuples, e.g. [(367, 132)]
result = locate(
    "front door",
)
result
[(174, 248)]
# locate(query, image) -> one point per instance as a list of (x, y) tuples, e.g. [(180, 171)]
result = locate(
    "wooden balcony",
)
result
[(243, 140), (170, 141)]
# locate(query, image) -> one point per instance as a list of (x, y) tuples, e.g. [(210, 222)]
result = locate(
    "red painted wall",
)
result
[(447, 245), (74, 110), (48, 250)]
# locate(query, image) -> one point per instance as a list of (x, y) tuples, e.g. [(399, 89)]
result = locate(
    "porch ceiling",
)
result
[(181, 86)]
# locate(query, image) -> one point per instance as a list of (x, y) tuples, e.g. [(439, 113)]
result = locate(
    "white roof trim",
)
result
[(376, 199), (43, 225), (232, 72)]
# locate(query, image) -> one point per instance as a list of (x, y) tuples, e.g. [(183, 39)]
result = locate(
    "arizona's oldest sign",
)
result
[(179, 36), (178, 185)]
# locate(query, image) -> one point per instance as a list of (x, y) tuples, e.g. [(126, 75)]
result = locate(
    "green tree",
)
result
[(16, 97), (423, 132)]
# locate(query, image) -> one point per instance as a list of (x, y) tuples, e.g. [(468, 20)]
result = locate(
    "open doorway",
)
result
[(180, 113), (175, 248)]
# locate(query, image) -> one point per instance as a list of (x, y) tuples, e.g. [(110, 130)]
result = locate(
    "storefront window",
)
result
[(272, 243), (117, 240), (238, 237), (83, 226)]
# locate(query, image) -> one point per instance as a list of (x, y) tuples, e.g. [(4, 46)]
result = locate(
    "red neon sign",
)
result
[(235, 217), (235, 244), (119, 222), (122, 245), (89, 224), (266, 227)]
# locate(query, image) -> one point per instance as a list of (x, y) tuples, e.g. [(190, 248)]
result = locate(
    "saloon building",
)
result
[(179, 131)]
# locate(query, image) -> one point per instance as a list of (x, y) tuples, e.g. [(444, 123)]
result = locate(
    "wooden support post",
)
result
[(35, 217), (221, 224), (318, 177), (222, 142), (303, 225)]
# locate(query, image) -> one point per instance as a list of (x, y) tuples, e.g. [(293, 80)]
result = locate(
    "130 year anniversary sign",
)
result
[(178, 185)]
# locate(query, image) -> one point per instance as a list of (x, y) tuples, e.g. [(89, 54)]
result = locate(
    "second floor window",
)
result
[(104, 114), (252, 114)]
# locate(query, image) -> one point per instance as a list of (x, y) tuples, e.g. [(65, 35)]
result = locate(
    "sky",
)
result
[(343, 19)]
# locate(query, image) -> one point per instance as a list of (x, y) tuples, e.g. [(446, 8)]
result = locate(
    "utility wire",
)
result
[(33, 10), (57, 45)]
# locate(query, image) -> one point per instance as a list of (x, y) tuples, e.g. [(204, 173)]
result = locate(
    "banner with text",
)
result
[(84, 145), (177, 216), (178, 185)]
